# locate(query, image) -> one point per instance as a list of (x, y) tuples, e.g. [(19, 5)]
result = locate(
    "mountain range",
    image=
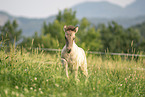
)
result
[(105, 9), (28, 26), (95, 12)]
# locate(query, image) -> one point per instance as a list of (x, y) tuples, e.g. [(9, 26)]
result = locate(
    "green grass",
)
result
[(32, 74)]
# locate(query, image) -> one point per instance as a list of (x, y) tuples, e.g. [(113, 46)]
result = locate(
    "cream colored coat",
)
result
[(75, 59)]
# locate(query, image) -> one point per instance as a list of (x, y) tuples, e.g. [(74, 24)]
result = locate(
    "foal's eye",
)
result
[(73, 38)]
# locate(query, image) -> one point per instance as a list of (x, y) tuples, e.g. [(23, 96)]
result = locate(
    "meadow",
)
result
[(39, 74)]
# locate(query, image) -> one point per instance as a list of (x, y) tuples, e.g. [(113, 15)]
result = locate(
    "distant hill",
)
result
[(104, 12), (95, 12), (108, 10), (28, 25), (135, 9), (125, 22), (4, 17)]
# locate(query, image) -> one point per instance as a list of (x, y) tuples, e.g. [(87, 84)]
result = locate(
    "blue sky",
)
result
[(45, 8)]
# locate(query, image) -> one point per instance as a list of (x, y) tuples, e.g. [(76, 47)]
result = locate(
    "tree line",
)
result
[(112, 37)]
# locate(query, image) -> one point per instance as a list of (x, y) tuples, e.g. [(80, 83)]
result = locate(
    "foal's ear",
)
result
[(64, 28), (76, 29)]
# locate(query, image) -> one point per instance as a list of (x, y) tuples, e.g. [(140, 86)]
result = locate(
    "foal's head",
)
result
[(70, 32)]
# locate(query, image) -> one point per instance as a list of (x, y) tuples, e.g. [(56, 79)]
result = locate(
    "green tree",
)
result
[(89, 37), (68, 17), (49, 42), (141, 28), (10, 32), (34, 41), (55, 29), (117, 39)]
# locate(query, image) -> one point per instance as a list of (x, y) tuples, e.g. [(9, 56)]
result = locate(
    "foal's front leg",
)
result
[(65, 64), (75, 68)]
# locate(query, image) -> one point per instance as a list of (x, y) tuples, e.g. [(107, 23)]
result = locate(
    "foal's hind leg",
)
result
[(65, 64), (84, 69)]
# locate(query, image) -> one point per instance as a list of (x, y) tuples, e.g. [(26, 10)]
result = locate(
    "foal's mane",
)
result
[(72, 28)]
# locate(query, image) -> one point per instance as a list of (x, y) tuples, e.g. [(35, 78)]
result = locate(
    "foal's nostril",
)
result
[(69, 50)]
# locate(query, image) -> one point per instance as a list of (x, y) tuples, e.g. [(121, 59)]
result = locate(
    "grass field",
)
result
[(36, 74)]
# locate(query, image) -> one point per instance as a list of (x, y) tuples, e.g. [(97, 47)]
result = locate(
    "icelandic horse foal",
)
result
[(72, 56)]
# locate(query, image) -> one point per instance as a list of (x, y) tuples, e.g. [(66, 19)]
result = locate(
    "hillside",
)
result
[(125, 22), (4, 17), (28, 25), (135, 9), (108, 10), (97, 9)]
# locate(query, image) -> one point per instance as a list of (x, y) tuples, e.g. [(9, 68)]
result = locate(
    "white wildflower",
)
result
[(31, 88), (26, 90), (35, 78), (16, 87), (41, 92), (6, 91)]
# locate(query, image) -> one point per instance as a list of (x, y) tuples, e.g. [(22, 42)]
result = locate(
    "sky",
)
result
[(45, 8)]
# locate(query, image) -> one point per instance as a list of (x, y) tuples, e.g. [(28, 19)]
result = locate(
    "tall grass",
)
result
[(27, 74)]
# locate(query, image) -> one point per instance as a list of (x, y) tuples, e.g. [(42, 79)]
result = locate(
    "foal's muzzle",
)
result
[(68, 50)]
